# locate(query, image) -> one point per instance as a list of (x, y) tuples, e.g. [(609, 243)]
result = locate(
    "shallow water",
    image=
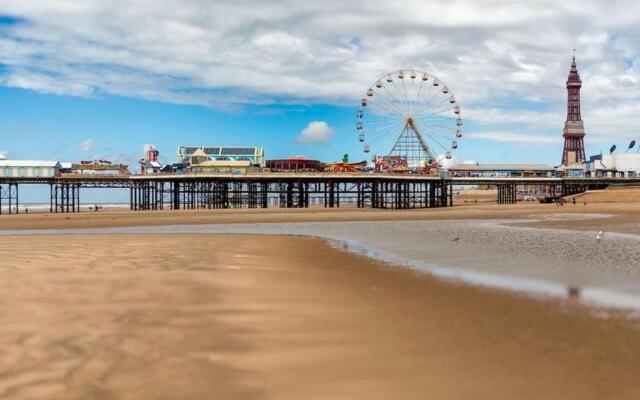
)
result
[(554, 262)]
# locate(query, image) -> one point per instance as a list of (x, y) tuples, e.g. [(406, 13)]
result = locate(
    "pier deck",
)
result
[(261, 190)]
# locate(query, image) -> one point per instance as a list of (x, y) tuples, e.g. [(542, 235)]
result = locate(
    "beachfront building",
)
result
[(573, 170), (235, 167), (29, 168), (294, 164), (255, 155), (95, 167), (149, 162), (614, 166), (501, 170)]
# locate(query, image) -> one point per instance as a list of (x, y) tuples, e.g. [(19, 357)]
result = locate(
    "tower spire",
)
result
[(574, 127)]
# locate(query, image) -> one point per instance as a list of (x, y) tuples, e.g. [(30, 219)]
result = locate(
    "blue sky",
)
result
[(45, 126), (86, 79)]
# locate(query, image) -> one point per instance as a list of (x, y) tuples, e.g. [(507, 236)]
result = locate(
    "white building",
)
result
[(502, 170), (29, 168), (614, 165), (255, 155)]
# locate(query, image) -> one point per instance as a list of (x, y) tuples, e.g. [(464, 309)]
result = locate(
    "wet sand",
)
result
[(623, 217), (204, 316)]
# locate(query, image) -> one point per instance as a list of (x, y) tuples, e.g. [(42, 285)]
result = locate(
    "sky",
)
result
[(102, 78)]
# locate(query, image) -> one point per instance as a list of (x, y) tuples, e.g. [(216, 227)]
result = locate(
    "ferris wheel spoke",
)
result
[(388, 134), (445, 127), (432, 138), (382, 129), (379, 138), (393, 121), (384, 107), (390, 105), (444, 138), (390, 101), (443, 110), (439, 139), (374, 121), (404, 94), (417, 98), (393, 98), (437, 118), (400, 102), (436, 114), (423, 106)]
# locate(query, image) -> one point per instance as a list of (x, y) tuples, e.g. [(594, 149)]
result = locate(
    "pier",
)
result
[(285, 190)]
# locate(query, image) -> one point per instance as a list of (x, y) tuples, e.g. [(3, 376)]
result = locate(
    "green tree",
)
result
[(345, 158)]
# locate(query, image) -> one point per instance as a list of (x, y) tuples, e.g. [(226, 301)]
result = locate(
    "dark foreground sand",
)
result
[(250, 317)]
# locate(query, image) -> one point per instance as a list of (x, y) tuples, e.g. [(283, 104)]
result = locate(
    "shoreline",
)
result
[(589, 295), (624, 218), (470, 260), (285, 317)]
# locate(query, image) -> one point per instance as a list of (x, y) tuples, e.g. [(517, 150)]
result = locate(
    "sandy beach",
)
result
[(149, 305), (252, 317)]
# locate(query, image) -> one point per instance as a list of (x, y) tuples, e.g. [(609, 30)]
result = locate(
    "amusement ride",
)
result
[(413, 113)]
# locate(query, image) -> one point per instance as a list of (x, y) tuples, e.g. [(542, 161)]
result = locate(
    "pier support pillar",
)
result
[(507, 193), (9, 200), (64, 197)]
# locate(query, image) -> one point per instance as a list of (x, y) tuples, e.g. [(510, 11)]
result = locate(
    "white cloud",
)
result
[(517, 117), (87, 145), (317, 132), (516, 137), (3, 154), (230, 55)]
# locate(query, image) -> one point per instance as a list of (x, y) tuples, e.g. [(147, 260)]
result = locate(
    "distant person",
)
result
[(26, 211), (95, 208)]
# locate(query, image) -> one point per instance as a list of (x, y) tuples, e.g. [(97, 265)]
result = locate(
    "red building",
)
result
[(294, 164)]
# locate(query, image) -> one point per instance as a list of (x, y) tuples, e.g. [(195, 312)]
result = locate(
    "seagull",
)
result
[(599, 235)]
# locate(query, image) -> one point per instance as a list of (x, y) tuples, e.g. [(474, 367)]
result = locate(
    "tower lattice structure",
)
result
[(573, 127)]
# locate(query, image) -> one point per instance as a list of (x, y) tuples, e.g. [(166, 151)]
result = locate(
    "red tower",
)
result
[(573, 128)]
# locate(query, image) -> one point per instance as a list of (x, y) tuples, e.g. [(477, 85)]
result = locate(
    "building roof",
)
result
[(29, 163), (574, 166), (501, 167), (224, 163), (293, 159), (199, 153), (222, 151)]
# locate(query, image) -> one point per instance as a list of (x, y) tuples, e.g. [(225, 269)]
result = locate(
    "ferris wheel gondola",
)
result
[(414, 114)]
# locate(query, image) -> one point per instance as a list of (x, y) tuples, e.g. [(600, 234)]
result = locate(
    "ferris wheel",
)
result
[(410, 114)]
